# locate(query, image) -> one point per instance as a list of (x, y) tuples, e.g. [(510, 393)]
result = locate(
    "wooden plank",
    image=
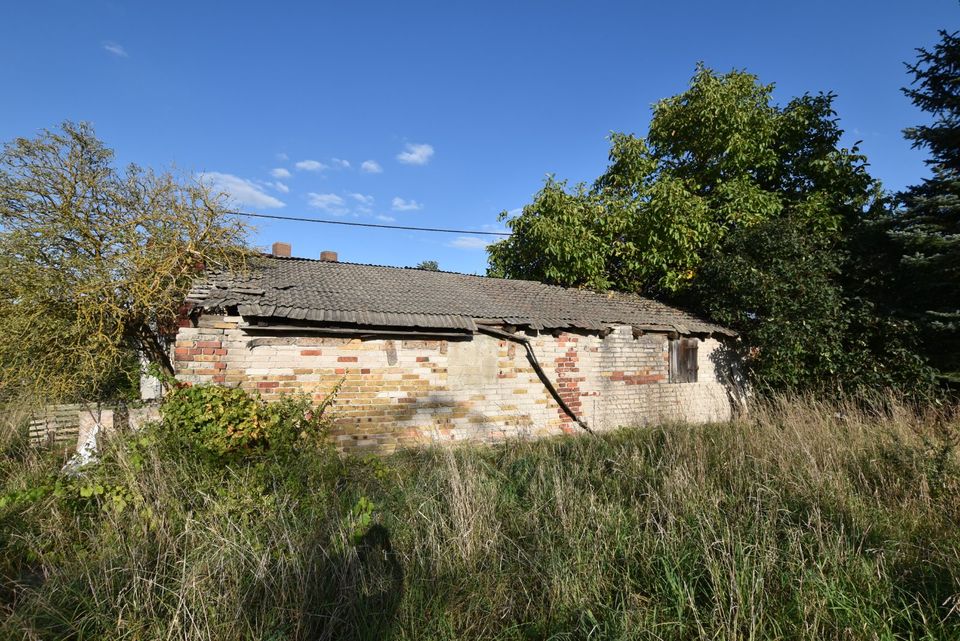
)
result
[(56, 424)]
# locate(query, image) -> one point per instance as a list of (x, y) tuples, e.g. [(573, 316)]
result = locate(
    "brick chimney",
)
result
[(328, 256), (281, 250)]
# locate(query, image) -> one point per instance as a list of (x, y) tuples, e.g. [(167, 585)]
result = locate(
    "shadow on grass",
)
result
[(356, 594)]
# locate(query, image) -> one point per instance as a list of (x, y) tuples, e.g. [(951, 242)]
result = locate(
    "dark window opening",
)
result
[(683, 360)]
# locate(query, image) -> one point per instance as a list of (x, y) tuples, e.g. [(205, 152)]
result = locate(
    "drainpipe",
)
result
[(532, 357)]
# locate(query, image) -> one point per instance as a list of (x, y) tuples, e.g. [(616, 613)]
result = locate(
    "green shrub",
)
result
[(230, 423)]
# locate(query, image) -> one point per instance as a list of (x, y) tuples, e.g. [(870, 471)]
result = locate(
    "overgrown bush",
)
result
[(802, 521), (232, 423)]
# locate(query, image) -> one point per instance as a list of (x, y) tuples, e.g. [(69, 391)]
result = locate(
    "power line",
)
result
[(349, 224)]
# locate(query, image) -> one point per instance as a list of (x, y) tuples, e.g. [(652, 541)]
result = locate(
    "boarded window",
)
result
[(683, 360)]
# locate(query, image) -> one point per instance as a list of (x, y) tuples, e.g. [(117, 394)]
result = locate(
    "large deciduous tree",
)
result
[(95, 262), (717, 157), (740, 209)]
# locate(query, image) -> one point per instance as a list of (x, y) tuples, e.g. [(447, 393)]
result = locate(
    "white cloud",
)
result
[(116, 49), (386, 219), (283, 156), (339, 162), (416, 154), (371, 167), (469, 242), (363, 199), (280, 172), (399, 204), (310, 165), (330, 203), (281, 187), (239, 190)]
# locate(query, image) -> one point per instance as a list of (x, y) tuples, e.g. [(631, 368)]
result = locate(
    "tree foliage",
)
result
[(95, 262), (926, 231), (936, 90), (717, 157), (780, 286), (430, 265), (739, 208)]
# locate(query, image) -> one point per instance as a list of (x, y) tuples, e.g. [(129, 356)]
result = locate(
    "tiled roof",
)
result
[(298, 289)]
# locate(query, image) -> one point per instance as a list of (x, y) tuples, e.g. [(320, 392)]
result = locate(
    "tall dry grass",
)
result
[(802, 520)]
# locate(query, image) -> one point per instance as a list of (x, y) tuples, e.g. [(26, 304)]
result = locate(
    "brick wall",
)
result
[(399, 392)]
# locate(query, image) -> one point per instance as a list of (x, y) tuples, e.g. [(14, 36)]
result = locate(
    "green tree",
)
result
[(560, 238), (430, 265), (927, 229), (95, 262), (738, 208), (782, 288), (717, 157)]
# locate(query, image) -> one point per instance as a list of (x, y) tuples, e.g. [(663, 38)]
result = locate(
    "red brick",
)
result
[(267, 384), (310, 352), (346, 359), (423, 359), (215, 344)]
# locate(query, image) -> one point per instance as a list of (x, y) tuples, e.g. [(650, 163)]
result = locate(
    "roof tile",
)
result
[(321, 291)]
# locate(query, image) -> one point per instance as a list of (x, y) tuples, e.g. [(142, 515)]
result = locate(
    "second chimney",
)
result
[(280, 250), (328, 256)]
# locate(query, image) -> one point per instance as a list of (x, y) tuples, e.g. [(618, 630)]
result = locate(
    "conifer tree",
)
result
[(927, 230)]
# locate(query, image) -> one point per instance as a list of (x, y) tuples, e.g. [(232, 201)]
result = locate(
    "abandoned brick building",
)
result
[(425, 355)]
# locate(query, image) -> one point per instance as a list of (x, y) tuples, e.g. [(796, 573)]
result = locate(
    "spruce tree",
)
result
[(927, 230)]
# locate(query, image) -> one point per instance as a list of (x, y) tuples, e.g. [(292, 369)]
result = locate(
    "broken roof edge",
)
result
[(260, 317), (365, 318), (211, 295)]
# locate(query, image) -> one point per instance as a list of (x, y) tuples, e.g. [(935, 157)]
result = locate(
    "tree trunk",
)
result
[(154, 348)]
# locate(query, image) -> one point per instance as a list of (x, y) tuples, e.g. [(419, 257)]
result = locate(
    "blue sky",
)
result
[(431, 113)]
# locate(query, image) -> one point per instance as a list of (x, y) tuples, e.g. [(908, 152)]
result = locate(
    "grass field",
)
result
[(801, 521)]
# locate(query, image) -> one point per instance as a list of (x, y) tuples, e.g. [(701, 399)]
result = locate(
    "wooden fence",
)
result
[(56, 425), (65, 425)]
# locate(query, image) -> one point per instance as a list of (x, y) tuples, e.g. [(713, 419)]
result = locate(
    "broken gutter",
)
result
[(532, 357), (426, 333), (356, 332)]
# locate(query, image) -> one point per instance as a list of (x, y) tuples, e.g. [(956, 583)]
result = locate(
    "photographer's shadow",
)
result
[(359, 591)]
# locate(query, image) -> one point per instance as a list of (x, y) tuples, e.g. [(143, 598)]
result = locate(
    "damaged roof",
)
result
[(298, 289)]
